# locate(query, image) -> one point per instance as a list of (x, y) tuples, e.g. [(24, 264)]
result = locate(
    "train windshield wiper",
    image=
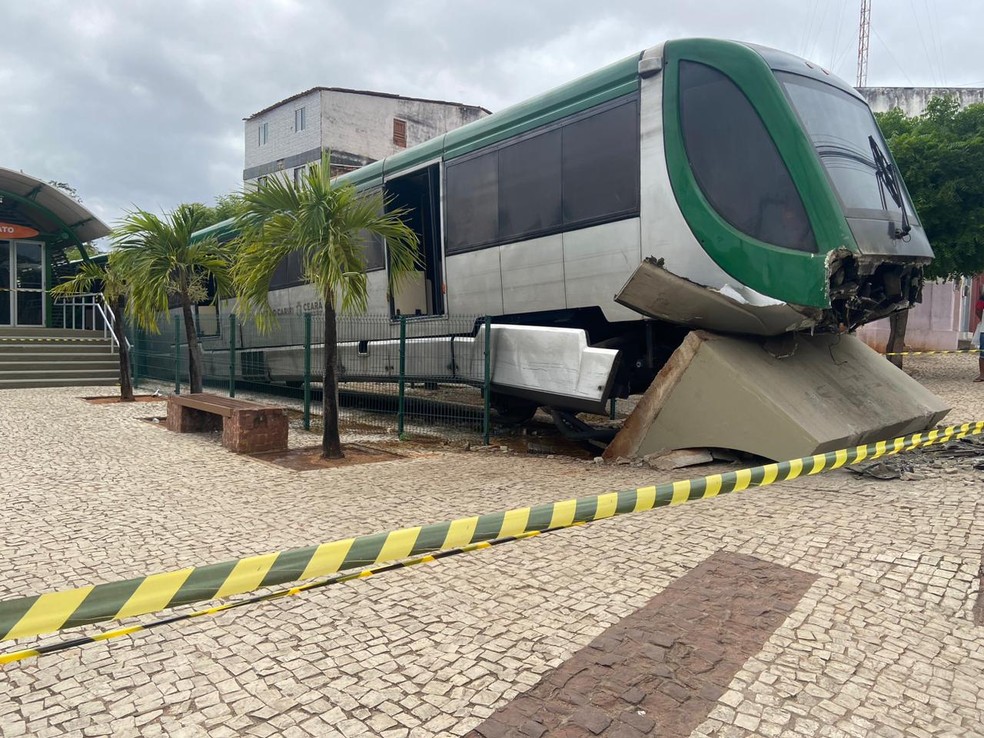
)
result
[(888, 174), (844, 152)]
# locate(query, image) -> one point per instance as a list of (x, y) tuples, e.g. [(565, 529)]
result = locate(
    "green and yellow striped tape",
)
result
[(11, 657), (926, 353), (47, 613), (50, 339)]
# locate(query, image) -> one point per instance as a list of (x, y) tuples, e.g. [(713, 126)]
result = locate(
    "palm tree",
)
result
[(114, 287), (160, 259), (325, 224)]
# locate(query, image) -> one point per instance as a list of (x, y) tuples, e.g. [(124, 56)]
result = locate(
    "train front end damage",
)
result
[(787, 186), (864, 289)]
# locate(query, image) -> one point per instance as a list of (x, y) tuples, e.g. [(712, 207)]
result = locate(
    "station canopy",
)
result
[(33, 203)]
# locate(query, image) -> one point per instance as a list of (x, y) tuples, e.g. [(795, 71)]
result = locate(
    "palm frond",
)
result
[(158, 257), (326, 224), (85, 280)]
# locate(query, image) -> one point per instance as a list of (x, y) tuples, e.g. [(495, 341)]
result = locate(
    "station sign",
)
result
[(12, 230)]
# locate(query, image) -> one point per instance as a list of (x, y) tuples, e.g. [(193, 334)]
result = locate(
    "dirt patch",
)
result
[(309, 457), (113, 399)]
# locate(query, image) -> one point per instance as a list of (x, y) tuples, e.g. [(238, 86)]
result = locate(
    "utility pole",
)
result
[(864, 35)]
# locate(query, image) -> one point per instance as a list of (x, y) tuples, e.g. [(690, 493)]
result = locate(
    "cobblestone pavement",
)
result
[(882, 643)]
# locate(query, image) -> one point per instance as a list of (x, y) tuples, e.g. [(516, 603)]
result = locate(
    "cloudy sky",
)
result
[(141, 103)]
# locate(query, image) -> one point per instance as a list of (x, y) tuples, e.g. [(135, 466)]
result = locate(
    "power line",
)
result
[(816, 40), (837, 33), (936, 38), (889, 50), (922, 40), (808, 31)]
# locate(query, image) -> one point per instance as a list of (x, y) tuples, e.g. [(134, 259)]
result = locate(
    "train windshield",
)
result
[(842, 129)]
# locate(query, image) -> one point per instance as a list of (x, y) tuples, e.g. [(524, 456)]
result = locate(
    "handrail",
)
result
[(90, 311), (109, 317)]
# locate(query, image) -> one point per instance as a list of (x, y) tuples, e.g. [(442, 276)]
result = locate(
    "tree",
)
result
[(159, 259), (74, 253), (940, 155), (225, 207), (325, 223), (110, 280)]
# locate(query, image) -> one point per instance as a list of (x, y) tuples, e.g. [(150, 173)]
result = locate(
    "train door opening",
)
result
[(419, 193)]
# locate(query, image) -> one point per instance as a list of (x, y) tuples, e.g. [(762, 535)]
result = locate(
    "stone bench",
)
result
[(247, 427)]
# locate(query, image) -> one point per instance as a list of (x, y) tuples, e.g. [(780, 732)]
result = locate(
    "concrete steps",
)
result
[(56, 357)]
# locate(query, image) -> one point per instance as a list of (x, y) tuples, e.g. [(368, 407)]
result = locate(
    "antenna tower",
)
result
[(864, 35)]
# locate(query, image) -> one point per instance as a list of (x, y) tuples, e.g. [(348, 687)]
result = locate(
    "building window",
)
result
[(260, 181), (299, 119), (298, 175), (400, 133), (263, 133)]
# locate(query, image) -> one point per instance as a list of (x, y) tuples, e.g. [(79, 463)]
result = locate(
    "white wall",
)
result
[(363, 124), (913, 100), (934, 324), (283, 140), (357, 128)]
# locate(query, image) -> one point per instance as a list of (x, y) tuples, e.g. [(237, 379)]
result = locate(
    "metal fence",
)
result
[(404, 376)]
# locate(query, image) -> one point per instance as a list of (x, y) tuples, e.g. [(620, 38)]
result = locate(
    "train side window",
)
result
[(736, 163), (295, 274), (279, 279), (473, 202), (530, 186), (375, 251), (373, 245), (601, 165)]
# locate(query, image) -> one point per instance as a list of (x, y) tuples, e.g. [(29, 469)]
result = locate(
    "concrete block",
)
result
[(720, 391)]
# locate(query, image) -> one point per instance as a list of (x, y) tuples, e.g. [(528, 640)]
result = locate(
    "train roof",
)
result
[(781, 61), (602, 85), (222, 231)]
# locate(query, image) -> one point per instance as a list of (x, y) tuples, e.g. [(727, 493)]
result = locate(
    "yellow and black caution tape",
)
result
[(9, 658), (47, 613), (50, 339), (927, 353)]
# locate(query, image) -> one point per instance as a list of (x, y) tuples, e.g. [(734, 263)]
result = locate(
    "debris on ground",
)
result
[(961, 448), (678, 458), (893, 468), (945, 457)]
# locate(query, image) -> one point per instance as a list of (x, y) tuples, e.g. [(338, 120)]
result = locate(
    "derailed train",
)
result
[(698, 184)]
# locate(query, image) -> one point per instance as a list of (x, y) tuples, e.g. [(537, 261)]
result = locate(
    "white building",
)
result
[(357, 126), (913, 100)]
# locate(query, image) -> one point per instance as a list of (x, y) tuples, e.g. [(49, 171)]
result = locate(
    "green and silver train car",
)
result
[(698, 184)]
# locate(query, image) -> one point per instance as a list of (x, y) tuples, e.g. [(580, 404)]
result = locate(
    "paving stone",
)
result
[(886, 634)]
